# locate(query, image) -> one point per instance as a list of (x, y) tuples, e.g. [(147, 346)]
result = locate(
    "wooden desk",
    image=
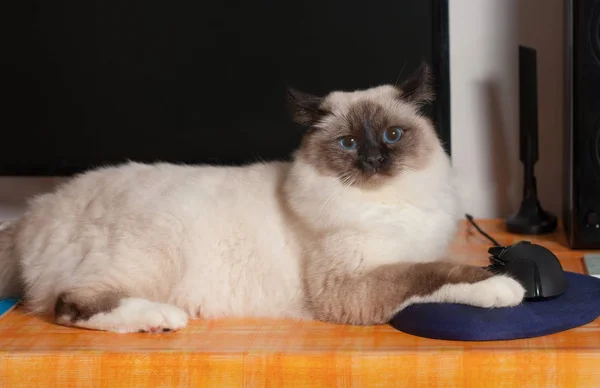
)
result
[(258, 353)]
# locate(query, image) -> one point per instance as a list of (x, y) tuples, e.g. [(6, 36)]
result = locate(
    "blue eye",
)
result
[(392, 135), (348, 142)]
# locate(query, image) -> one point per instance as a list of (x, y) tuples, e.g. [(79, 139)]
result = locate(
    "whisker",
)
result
[(345, 182), (327, 201), (400, 75)]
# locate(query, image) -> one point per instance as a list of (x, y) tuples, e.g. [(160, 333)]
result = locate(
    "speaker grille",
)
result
[(595, 151), (582, 115), (595, 30)]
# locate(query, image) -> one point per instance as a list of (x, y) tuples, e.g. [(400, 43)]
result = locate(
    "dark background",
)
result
[(86, 83)]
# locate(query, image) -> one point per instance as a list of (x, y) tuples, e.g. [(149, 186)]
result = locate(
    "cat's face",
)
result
[(370, 136)]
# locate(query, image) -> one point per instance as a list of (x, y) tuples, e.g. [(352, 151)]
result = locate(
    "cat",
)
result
[(352, 230)]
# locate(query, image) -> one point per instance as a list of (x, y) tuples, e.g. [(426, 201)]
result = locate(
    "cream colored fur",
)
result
[(210, 240), (230, 241)]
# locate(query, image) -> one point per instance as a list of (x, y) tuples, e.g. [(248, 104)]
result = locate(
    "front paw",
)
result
[(497, 291)]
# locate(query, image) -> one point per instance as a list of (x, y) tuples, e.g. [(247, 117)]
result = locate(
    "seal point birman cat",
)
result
[(352, 230)]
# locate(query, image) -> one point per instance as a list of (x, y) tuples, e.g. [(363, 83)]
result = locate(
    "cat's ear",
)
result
[(418, 88), (305, 108)]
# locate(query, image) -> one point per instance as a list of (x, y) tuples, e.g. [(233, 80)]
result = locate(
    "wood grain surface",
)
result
[(281, 353)]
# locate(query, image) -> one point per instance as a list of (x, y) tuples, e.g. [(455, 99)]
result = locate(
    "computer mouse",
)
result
[(534, 266)]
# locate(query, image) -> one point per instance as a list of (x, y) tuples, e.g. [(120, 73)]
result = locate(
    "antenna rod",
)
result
[(531, 217)]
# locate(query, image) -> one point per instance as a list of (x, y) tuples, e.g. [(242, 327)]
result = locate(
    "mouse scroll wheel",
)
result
[(497, 261), (496, 251)]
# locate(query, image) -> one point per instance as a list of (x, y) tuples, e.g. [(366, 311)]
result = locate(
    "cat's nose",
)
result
[(374, 161)]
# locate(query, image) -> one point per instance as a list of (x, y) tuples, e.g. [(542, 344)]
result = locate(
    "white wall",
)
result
[(484, 39)]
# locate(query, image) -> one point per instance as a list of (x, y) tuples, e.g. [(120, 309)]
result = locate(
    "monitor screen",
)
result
[(96, 82)]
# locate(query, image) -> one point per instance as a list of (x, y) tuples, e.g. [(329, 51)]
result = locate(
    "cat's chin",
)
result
[(373, 180)]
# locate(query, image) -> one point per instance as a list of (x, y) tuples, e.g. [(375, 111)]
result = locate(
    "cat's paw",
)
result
[(497, 291), (135, 315), (163, 318)]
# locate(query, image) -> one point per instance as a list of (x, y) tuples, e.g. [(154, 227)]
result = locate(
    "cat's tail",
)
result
[(10, 284)]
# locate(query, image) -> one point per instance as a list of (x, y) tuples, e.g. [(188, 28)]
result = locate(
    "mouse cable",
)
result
[(470, 218)]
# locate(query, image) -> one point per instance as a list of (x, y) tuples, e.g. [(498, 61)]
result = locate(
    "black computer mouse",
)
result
[(534, 266)]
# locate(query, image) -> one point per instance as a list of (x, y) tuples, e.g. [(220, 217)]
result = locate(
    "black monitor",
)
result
[(97, 82)]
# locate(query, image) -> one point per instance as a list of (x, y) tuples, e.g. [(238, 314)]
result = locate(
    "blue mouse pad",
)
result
[(7, 305), (579, 305)]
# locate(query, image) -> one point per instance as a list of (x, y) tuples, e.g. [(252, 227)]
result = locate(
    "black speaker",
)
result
[(581, 208)]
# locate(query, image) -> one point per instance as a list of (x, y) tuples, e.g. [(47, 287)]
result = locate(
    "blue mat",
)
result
[(6, 305), (579, 305)]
